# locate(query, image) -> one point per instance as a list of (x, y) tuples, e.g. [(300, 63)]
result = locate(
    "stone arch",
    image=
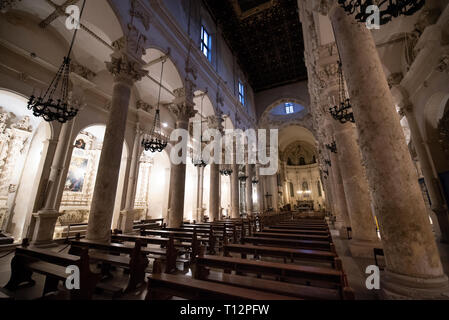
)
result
[(153, 182), (24, 144), (80, 176), (434, 111)]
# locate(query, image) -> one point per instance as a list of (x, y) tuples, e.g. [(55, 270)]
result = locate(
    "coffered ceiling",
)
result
[(266, 37)]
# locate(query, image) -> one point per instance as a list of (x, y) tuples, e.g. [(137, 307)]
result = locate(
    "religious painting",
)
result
[(77, 173)]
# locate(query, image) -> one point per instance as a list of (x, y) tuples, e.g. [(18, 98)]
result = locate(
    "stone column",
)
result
[(275, 192), (183, 109), (215, 122), (125, 72), (249, 189), (128, 213), (413, 263), (357, 193), (338, 193), (47, 217), (214, 192), (430, 177), (199, 195), (259, 191), (235, 191)]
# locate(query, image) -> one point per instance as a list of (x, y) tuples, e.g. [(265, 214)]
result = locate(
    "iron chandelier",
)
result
[(343, 112), (225, 172), (155, 141), (389, 9), (54, 104)]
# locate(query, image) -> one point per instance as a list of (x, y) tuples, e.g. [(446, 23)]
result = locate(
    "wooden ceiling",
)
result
[(266, 36)]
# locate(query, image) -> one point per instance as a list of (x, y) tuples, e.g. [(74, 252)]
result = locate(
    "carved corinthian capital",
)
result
[(6, 5), (323, 6), (183, 105), (125, 69)]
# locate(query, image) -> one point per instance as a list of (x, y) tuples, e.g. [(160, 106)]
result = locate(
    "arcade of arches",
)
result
[(381, 182)]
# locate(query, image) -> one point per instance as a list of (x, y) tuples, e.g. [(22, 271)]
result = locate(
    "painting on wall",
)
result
[(77, 173)]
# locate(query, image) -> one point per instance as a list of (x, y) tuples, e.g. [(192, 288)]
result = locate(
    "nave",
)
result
[(143, 142)]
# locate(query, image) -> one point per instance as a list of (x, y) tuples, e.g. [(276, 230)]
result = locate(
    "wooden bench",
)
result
[(323, 228), (304, 231), (272, 286), (280, 252), (296, 236), (53, 266), (164, 286), (183, 248), (303, 244), (315, 276), (183, 236), (135, 259)]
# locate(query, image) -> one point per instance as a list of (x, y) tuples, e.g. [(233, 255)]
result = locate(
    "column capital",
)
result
[(125, 69), (183, 106), (216, 122), (324, 7)]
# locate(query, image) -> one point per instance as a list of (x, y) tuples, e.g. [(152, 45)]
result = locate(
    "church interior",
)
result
[(94, 92)]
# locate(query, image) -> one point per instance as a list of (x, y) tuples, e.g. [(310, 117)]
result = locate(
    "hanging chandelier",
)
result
[(155, 141), (54, 104), (389, 9), (255, 181), (200, 163), (226, 172), (343, 112), (332, 147), (243, 177)]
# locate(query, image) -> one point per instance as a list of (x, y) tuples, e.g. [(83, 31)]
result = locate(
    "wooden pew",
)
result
[(183, 236), (324, 228), (183, 248), (52, 265), (280, 252), (163, 286), (303, 244), (296, 236), (315, 276), (135, 258), (305, 231)]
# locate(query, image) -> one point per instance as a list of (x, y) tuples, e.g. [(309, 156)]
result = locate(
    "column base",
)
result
[(400, 287), (200, 214), (45, 228), (363, 249), (127, 220)]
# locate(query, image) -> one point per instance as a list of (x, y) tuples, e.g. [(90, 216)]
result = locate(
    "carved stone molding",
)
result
[(141, 105), (139, 12), (134, 44), (6, 5), (82, 71), (122, 68), (395, 79), (216, 122), (443, 65)]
